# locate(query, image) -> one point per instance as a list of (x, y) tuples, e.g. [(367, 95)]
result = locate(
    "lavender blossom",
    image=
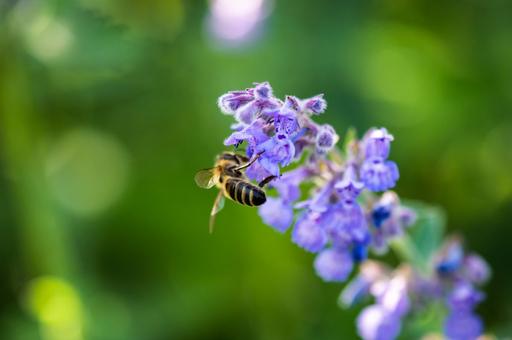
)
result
[(314, 105), (333, 265), (348, 212), (389, 219), (379, 174), (463, 326), (277, 213), (376, 323), (308, 233)]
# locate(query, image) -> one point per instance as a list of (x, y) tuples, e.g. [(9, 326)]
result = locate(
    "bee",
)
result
[(227, 175)]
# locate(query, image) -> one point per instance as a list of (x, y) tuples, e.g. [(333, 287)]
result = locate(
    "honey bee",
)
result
[(227, 175)]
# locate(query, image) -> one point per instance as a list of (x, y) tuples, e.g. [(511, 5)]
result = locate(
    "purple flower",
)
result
[(277, 214), (288, 184), (314, 105), (322, 198), (333, 265), (232, 101), (275, 152), (379, 242), (390, 218), (451, 258), (257, 172), (376, 323), (354, 292), (359, 252), (393, 296), (378, 174), (348, 222), (308, 233), (253, 133), (333, 218), (462, 323), (476, 269), (247, 105), (247, 113), (263, 90), (464, 297), (377, 143), (349, 187), (369, 273), (286, 125), (463, 326), (326, 138), (380, 214)]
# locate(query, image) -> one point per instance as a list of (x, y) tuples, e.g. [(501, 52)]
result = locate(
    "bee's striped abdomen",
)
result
[(244, 192)]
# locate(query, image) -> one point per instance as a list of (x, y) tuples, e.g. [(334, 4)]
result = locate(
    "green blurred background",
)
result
[(108, 107)]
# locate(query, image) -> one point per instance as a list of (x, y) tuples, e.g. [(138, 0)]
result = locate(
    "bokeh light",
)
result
[(235, 22), (47, 37), (55, 303), (87, 171)]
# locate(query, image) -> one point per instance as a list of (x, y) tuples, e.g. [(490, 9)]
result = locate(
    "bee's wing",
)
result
[(217, 206), (205, 178)]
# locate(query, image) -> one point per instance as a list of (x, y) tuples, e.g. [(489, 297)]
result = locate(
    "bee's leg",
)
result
[(248, 164), (266, 181)]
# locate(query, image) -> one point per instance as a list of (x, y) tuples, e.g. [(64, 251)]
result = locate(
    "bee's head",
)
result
[(235, 158)]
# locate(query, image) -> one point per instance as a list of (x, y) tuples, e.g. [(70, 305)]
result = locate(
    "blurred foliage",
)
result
[(107, 109)]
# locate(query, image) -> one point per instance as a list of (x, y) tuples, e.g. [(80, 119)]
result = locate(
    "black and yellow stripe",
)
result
[(244, 192)]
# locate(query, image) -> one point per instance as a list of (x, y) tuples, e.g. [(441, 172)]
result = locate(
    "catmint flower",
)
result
[(246, 105), (380, 214), (326, 138), (314, 105), (379, 174), (333, 265), (462, 323), (349, 187), (359, 252), (308, 233), (322, 198), (463, 326), (263, 91), (275, 152), (357, 289), (476, 269), (232, 101), (464, 297), (377, 143), (390, 219), (376, 323), (285, 119), (354, 292), (343, 216), (253, 133), (393, 296), (288, 184), (349, 222), (257, 172), (451, 258), (277, 213)]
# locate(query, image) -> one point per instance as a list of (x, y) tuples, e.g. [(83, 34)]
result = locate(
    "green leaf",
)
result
[(426, 321), (424, 238)]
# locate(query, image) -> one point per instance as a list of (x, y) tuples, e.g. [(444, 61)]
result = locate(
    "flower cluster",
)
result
[(457, 274), (450, 280), (348, 209)]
